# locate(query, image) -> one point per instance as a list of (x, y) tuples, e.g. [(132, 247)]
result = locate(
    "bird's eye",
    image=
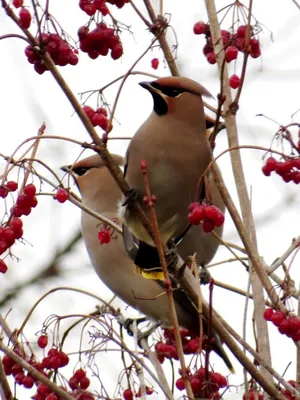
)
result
[(172, 92), (80, 170)]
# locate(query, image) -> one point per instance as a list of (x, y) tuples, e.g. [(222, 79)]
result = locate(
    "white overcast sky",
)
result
[(272, 88)]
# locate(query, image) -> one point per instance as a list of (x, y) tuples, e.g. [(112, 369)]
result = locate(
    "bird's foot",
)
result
[(204, 276), (128, 324), (147, 333), (131, 196)]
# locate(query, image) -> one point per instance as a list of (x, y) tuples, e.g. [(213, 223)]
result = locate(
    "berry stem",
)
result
[(169, 293)]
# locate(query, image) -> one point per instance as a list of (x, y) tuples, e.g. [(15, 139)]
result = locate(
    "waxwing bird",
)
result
[(111, 262), (174, 144)]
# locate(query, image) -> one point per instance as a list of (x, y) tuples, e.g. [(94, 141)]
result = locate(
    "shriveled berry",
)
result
[(154, 63)]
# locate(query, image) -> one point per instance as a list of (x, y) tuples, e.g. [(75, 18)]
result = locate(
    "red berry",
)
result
[(266, 170), (193, 346), (30, 190), (3, 192), (117, 52), (225, 36), (100, 120), (241, 31), (200, 28), (196, 384), (53, 396), (17, 3), (211, 58), (19, 378), (42, 341), (16, 224), (231, 53), (28, 382), (197, 215), (8, 363), (16, 369), (284, 327), (24, 18), (192, 206), (180, 384), (61, 195), (128, 394), (84, 383), (254, 48), (234, 81), (278, 317), (208, 226), (3, 247), (79, 374), (73, 383), (294, 324), (155, 63), (268, 314), (90, 112), (64, 359), (12, 186), (9, 236), (271, 163), (102, 111)]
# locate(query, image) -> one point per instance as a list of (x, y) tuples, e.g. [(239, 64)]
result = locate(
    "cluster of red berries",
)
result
[(92, 6), (12, 230), (128, 393), (98, 117), (154, 63), (54, 360), (287, 393), (289, 170), (25, 201), (233, 42), (59, 49), (289, 326), (99, 41), (79, 380), (168, 348), (254, 394), (200, 385), (209, 215)]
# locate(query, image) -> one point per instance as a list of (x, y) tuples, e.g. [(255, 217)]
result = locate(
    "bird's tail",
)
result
[(219, 349)]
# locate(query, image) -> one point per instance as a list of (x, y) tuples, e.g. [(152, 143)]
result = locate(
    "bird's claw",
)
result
[(204, 276), (130, 197), (128, 324)]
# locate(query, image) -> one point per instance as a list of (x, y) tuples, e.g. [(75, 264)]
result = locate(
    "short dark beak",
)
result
[(66, 168), (148, 86)]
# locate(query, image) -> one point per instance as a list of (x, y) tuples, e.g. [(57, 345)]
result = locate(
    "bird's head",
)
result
[(177, 96), (91, 174)]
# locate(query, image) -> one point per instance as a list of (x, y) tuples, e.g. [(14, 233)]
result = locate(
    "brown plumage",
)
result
[(174, 144), (111, 262)]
